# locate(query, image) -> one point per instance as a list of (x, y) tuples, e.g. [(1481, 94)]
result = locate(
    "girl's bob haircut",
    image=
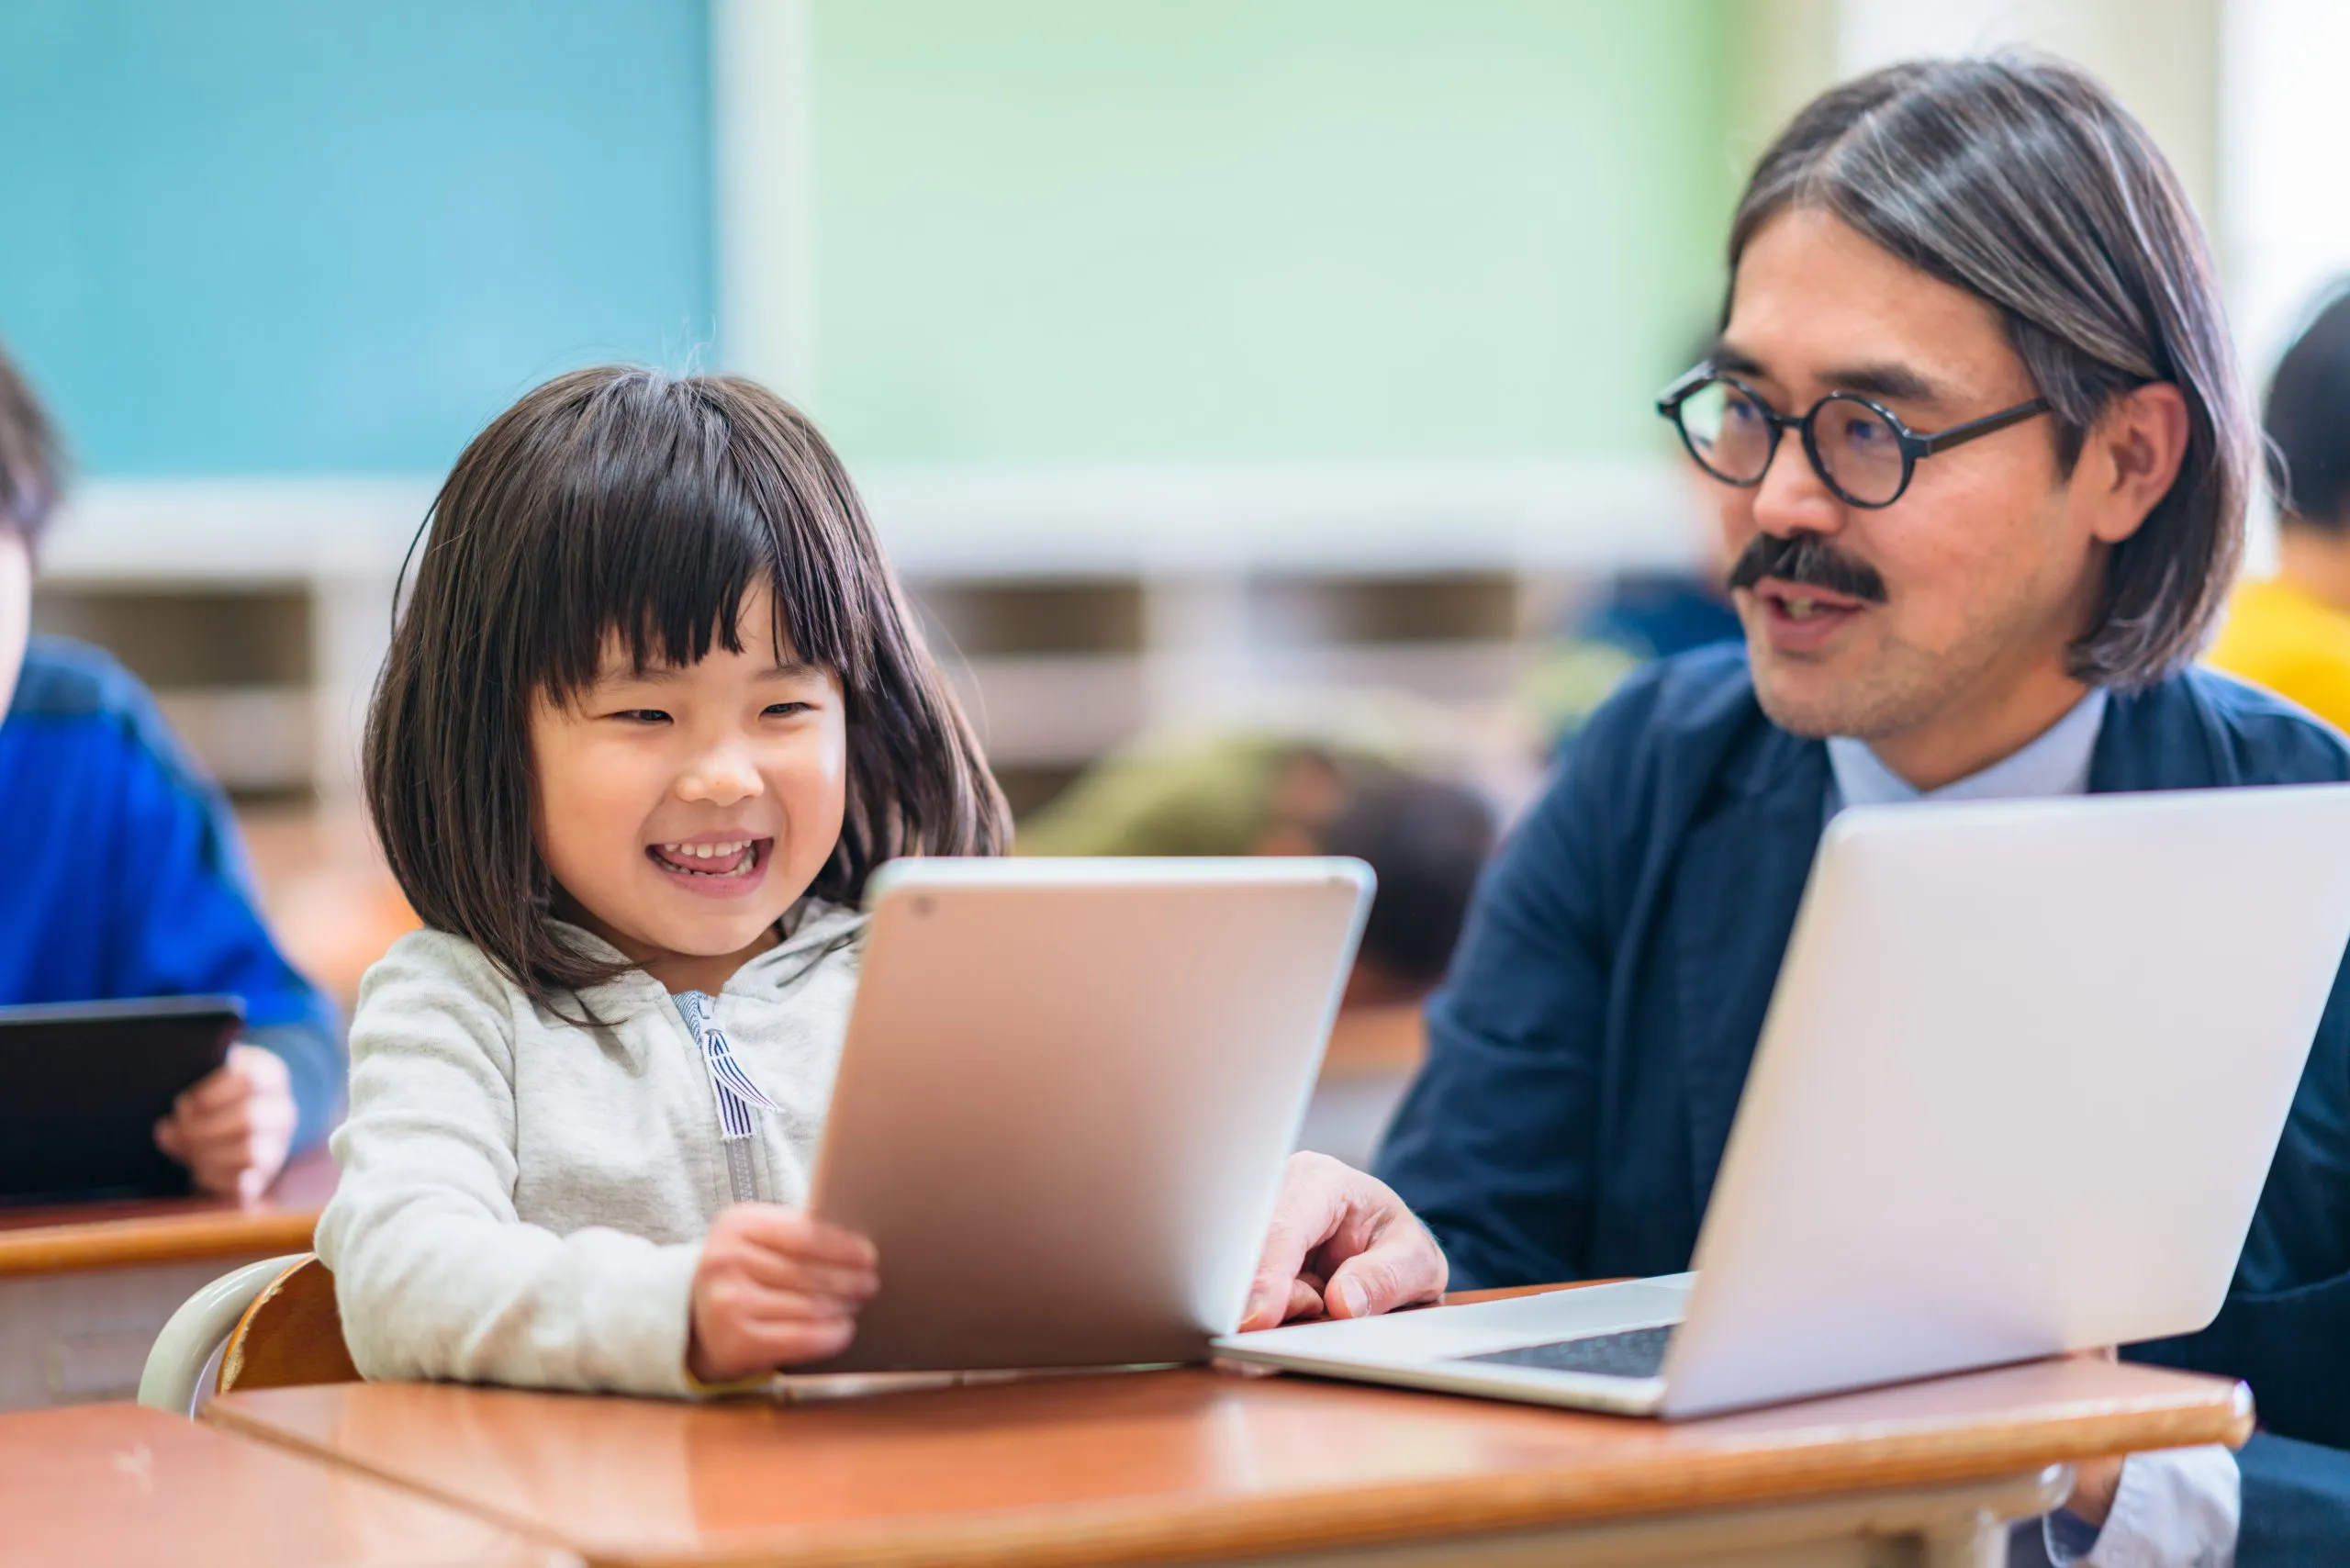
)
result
[(623, 503)]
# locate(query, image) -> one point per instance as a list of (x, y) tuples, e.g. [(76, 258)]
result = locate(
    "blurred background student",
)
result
[(1248, 792), (124, 875), (2290, 633)]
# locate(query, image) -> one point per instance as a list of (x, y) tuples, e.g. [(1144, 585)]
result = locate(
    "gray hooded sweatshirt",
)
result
[(523, 1200)]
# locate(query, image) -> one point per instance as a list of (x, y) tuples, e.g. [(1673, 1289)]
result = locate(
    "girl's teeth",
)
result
[(731, 856)]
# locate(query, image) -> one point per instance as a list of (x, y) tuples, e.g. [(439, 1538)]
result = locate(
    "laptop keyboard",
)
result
[(1634, 1353)]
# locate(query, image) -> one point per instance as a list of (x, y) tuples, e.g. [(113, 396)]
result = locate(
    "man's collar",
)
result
[(2055, 764)]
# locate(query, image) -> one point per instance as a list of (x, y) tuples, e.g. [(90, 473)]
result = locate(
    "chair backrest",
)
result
[(291, 1335), (182, 1363)]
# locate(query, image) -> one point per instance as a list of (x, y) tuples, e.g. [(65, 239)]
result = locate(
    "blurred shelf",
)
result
[(1074, 609), (230, 665), (1443, 671), (1052, 710), (1353, 518), (257, 741), (982, 523), (1059, 711), (197, 532)]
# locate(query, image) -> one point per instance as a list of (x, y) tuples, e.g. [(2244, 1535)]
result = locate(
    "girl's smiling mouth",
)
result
[(714, 867)]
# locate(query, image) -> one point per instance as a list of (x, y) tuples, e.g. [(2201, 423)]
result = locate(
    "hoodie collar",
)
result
[(814, 927)]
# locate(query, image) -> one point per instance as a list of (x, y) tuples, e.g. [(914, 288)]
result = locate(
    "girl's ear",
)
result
[(2131, 457)]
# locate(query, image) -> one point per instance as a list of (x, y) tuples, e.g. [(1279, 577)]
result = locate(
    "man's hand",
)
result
[(775, 1288), (2096, 1482), (233, 1129), (1342, 1243)]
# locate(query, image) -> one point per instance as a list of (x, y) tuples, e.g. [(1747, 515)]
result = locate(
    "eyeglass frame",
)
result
[(1915, 444)]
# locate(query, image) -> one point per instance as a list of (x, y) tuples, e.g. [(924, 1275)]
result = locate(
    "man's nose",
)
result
[(1792, 497)]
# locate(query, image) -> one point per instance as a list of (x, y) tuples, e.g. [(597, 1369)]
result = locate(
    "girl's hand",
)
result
[(232, 1130), (775, 1288)]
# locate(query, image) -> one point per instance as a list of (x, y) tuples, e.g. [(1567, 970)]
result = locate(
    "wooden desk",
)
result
[(85, 1288), (1176, 1466), (110, 1485)]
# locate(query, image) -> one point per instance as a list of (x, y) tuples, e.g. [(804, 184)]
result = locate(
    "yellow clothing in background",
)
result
[(2277, 637)]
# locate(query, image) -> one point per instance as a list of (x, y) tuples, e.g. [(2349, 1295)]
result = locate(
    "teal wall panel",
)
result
[(287, 236)]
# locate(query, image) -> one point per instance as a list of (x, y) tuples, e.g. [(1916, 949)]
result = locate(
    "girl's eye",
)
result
[(787, 710), (642, 715)]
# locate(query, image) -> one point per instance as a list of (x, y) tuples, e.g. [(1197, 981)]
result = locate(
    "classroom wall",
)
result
[(1057, 231), (281, 237)]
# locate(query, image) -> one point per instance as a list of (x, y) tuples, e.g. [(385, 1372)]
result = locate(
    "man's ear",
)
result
[(2130, 458)]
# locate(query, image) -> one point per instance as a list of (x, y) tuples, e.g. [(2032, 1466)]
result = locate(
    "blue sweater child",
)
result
[(122, 873)]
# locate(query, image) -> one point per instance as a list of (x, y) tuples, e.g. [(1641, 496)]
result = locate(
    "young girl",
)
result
[(656, 710)]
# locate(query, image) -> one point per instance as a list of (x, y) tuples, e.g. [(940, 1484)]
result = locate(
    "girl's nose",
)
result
[(721, 778)]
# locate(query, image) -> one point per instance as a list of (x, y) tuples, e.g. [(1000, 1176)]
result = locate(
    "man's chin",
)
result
[(1806, 699)]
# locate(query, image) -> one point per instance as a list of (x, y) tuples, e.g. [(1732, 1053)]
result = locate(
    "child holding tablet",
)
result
[(126, 871), (655, 710)]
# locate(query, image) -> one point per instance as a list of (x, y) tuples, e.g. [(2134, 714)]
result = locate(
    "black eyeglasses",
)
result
[(1859, 447)]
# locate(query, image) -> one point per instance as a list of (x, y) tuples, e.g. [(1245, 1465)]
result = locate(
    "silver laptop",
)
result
[(2017, 1093), (1067, 1093)]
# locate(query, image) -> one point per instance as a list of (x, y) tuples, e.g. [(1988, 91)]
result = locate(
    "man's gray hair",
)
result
[(2020, 179)]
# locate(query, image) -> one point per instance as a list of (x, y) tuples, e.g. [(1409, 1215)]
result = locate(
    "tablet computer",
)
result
[(82, 1084), (1068, 1093)]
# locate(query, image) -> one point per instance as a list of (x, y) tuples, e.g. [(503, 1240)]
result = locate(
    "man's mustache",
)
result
[(1805, 560)]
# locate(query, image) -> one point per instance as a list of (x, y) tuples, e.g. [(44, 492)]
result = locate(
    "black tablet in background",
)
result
[(83, 1083)]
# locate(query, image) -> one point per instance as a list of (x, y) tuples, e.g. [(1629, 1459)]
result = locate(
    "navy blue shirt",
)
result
[(1586, 1055), (125, 878)]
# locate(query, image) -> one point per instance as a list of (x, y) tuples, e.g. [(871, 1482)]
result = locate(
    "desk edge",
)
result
[(152, 1240)]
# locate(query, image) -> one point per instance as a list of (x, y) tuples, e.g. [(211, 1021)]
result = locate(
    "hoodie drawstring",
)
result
[(730, 1086)]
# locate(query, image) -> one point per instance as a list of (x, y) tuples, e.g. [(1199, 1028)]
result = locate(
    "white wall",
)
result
[(2159, 56)]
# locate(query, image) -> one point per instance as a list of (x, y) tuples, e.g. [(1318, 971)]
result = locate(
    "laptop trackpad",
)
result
[(1628, 1352)]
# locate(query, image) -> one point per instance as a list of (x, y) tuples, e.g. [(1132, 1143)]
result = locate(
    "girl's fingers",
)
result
[(733, 1298), (761, 1304), (787, 1343), (774, 1272), (794, 1234)]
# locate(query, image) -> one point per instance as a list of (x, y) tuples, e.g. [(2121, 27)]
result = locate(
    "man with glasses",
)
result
[(1974, 294)]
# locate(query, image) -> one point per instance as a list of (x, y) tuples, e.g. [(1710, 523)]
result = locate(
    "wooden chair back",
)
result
[(292, 1335)]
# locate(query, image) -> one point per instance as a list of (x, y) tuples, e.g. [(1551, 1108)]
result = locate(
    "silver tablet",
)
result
[(1068, 1093)]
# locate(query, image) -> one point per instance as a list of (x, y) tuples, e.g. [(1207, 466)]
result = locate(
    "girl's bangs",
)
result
[(655, 542)]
